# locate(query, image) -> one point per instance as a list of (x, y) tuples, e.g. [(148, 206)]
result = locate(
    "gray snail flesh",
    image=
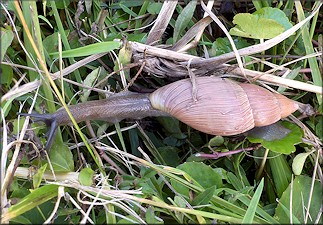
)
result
[(222, 107)]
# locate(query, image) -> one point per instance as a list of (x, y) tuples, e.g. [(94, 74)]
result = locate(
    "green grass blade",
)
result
[(251, 211), (317, 79), (89, 49), (35, 198)]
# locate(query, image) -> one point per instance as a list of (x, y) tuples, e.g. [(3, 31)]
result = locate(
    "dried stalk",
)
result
[(161, 22)]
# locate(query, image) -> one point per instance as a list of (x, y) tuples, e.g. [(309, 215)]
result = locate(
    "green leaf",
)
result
[(201, 174), (125, 54), (127, 10), (274, 14), (183, 19), (37, 178), (7, 74), (5, 40), (132, 3), (171, 125), (154, 7), (20, 220), (298, 162), (63, 4), (284, 145), (301, 191), (50, 43), (170, 155), (280, 170), (216, 141), (35, 198), (290, 76), (46, 21), (86, 176), (254, 26), (89, 81), (319, 127), (251, 211), (61, 158), (89, 49), (204, 197), (151, 217), (222, 45)]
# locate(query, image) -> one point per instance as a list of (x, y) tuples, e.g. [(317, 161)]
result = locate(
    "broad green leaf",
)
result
[(301, 191), (183, 19), (86, 176), (216, 141), (61, 158), (265, 23), (284, 145), (298, 163), (89, 49), (253, 26), (35, 198), (251, 211), (201, 174), (275, 14), (37, 178), (50, 43), (294, 218), (5, 40)]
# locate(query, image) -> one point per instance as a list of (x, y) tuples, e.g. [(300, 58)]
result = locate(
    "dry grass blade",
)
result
[(191, 33), (223, 28), (175, 71), (256, 48), (161, 22), (28, 87)]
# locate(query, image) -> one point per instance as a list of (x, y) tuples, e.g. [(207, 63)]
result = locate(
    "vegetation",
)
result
[(157, 170)]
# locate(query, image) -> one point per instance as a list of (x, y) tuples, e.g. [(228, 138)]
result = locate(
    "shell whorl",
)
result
[(223, 107)]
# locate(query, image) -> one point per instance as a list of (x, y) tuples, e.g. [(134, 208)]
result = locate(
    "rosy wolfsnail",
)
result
[(222, 107)]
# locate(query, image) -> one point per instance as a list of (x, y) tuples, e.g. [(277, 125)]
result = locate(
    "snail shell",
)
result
[(223, 107)]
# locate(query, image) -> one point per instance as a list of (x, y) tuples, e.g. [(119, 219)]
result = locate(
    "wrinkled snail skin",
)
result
[(120, 106), (222, 107), (128, 105)]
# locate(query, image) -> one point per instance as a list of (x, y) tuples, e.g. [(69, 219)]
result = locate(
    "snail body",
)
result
[(222, 107)]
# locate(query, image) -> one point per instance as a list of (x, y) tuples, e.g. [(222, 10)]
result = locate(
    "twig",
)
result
[(216, 155)]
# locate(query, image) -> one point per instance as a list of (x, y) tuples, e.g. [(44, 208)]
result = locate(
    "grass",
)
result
[(147, 171)]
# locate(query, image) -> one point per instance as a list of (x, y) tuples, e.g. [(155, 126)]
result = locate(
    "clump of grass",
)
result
[(67, 52)]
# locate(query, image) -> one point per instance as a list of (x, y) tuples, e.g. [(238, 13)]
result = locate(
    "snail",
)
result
[(222, 107)]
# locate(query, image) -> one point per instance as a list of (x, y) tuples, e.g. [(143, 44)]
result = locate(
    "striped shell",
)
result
[(223, 107)]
